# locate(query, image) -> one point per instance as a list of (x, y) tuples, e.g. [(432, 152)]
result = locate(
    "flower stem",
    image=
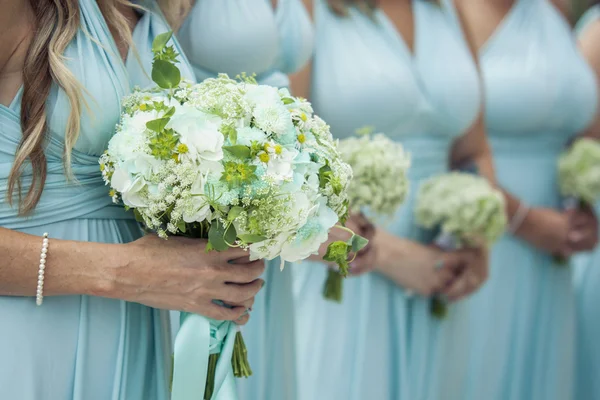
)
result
[(333, 289), (438, 307), (213, 359), (239, 361)]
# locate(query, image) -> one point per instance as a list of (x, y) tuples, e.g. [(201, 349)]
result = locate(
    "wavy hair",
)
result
[(56, 24)]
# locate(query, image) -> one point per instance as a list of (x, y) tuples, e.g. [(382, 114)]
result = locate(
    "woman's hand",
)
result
[(583, 229), (547, 230), (425, 270), (474, 271), (177, 274)]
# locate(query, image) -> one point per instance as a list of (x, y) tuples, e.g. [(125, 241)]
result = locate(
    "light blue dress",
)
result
[(81, 347), (539, 94), (235, 36), (587, 283), (378, 344)]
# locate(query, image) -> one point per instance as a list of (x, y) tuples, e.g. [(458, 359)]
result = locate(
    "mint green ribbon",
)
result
[(199, 337)]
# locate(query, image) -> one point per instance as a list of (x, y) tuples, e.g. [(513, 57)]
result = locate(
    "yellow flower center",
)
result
[(143, 107), (278, 149), (303, 117), (264, 157), (182, 148), (266, 146), (112, 193), (301, 138)]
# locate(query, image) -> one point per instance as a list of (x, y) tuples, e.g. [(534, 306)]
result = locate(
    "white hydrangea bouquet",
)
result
[(579, 177), (379, 183), (237, 163), (579, 173), (466, 209)]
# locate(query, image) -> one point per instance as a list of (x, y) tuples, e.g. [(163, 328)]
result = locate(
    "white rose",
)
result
[(129, 187), (199, 132)]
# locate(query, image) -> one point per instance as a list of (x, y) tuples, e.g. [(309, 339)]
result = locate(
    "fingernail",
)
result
[(263, 284), (575, 236)]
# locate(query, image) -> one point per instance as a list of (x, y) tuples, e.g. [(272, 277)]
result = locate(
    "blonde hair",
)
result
[(56, 24)]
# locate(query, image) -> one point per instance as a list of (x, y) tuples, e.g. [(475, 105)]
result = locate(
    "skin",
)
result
[(174, 274), (463, 271), (550, 230)]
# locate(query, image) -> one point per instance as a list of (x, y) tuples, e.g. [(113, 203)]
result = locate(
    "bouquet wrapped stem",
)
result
[(439, 306)]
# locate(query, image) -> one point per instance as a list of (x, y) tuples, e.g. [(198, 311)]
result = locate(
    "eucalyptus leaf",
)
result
[(157, 125), (165, 74), (182, 226), (358, 243), (160, 41), (230, 234), (238, 151), (249, 238), (216, 236)]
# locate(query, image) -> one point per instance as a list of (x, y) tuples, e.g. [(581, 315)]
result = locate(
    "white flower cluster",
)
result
[(379, 166), (463, 205), (232, 161), (579, 171)]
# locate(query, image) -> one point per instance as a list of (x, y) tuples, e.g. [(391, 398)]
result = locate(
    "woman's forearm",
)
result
[(71, 267)]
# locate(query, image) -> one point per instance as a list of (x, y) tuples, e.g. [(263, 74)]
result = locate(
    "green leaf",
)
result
[(238, 151), (249, 238), (288, 100), (138, 216), (165, 74), (230, 235), (170, 112), (157, 125), (233, 136), (216, 236), (358, 243), (160, 41), (182, 226), (234, 213)]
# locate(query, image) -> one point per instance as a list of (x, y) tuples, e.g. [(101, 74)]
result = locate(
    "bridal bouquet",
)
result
[(579, 173), (237, 163), (467, 210), (379, 183)]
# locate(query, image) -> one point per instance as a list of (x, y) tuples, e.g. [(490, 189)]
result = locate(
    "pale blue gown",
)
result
[(587, 291), (378, 344), (539, 94), (235, 36), (81, 347)]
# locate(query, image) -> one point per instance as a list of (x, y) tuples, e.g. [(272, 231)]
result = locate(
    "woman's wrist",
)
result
[(83, 268)]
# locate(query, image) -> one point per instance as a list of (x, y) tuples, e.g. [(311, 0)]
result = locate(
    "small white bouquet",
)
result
[(579, 173), (466, 209), (579, 177), (237, 163), (379, 183)]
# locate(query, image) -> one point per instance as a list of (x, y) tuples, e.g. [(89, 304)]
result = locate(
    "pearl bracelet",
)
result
[(518, 218), (39, 297)]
